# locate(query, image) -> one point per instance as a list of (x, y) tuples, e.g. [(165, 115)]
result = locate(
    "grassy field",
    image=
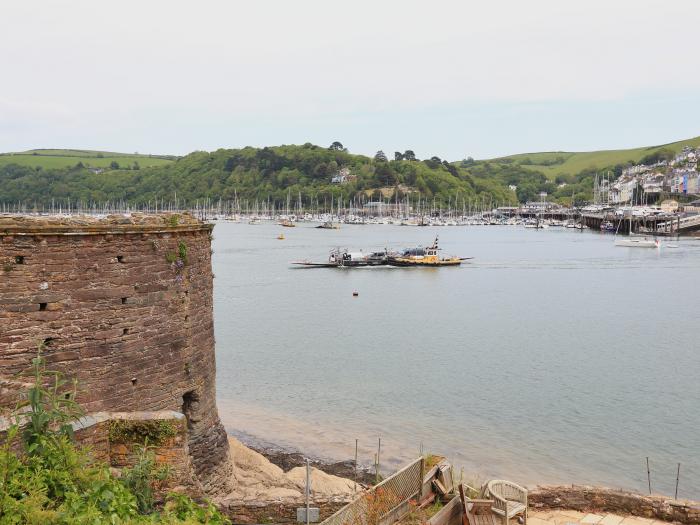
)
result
[(575, 162), (60, 158)]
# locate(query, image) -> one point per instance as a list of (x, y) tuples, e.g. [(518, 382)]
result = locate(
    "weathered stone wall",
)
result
[(280, 513), (119, 307), (120, 449), (591, 499)]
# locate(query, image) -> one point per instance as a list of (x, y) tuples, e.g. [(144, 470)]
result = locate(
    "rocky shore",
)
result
[(265, 492), (287, 460)]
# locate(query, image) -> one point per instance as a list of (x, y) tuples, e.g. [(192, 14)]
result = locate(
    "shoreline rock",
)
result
[(259, 481), (288, 459)]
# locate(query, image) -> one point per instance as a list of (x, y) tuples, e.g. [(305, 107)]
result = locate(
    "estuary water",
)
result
[(552, 356)]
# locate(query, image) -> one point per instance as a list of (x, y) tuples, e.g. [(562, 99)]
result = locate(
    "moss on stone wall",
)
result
[(156, 432)]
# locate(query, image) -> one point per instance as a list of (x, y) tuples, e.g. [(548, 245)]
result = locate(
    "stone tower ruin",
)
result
[(123, 304)]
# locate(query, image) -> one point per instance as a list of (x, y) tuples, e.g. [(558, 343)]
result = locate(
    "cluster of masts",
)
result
[(408, 206)]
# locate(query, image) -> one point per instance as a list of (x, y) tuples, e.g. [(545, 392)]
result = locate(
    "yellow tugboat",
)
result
[(424, 257), (287, 223)]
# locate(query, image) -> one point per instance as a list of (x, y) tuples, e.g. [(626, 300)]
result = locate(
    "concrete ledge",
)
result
[(90, 420)]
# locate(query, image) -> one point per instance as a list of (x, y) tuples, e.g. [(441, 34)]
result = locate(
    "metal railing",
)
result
[(381, 500), (680, 223)]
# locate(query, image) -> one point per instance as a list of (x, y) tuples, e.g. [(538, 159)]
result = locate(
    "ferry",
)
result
[(424, 257)]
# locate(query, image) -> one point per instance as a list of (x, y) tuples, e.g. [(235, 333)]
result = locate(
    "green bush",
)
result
[(46, 480)]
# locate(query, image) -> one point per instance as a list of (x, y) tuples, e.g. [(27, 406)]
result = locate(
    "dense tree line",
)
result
[(275, 173), (254, 173)]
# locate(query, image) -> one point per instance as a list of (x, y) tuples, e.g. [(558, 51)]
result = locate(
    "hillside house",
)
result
[(342, 176)]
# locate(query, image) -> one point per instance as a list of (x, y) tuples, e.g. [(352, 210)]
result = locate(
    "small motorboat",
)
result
[(328, 225)]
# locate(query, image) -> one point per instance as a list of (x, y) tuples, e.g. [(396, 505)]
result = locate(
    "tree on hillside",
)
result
[(398, 155), (386, 176), (659, 155), (433, 162), (114, 165), (527, 192), (380, 156), (409, 155), (336, 146), (449, 167), (321, 170)]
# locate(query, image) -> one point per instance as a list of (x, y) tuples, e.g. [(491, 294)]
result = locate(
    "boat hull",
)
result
[(345, 264), (632, 243), (398, 261), (303, 264)]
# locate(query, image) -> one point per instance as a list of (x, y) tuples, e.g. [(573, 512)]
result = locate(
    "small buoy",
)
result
[(355, 294), (280, 237)]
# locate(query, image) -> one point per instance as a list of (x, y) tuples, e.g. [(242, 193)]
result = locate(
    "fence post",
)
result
[(422, 476), (308, 489), (356, 440)]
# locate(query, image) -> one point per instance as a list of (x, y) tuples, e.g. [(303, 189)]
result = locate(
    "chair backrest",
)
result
[(504, 489)]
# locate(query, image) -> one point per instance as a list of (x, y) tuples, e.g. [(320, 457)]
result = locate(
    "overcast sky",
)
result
[(447, 78)]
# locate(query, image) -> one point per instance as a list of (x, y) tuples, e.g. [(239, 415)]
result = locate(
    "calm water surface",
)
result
[(553, 356)]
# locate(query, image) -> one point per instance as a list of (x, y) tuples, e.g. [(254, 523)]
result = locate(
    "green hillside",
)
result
[(271, 175), (555, 163), (62, 158), (304, 173)]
